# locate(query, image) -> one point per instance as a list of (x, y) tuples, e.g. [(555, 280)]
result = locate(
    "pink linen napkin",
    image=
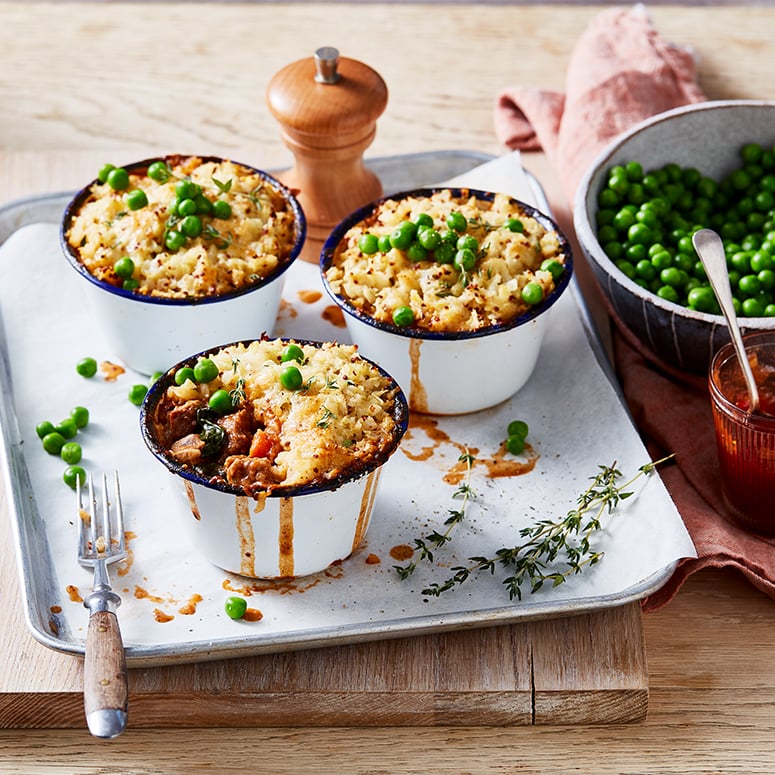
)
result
[(622, 71)]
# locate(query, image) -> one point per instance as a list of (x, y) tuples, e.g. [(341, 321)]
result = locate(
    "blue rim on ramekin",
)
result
[(156, 391), (363, 213), (140, 166)]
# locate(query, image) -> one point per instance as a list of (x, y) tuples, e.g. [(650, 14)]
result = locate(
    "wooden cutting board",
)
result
[(586, 669)]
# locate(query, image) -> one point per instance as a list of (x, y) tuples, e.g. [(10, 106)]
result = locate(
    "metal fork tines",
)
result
[(101, 541)]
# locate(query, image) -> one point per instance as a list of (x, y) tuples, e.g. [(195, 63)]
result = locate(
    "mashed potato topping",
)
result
[(510, 249), (339, 421), (228, 253)]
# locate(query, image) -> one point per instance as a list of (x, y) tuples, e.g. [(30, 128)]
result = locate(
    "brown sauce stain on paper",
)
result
[(372, 559), (334, 315), (309, 297), (253, 615), (190, 607), (124, 566), (74, 594), (144, 594), (112, 371), (504, 464), (501, 464), (401, 552), (162, 617), (286, 308)]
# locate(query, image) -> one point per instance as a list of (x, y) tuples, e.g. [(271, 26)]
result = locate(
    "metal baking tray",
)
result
[(172, 607)]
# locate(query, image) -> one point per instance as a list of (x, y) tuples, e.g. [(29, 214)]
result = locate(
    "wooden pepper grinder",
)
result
[(327, 107)]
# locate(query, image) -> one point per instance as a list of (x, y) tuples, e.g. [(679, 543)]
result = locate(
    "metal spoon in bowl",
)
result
[(710, 249)]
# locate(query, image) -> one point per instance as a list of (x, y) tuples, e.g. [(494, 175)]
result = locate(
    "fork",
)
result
[(101, 543)]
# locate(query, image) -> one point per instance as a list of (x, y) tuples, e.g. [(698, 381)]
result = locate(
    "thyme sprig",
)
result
[(554, 550), (435, 540)]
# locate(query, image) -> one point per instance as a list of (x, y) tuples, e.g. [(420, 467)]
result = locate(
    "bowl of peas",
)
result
[(450, 290), (178, 253), (709, 165)]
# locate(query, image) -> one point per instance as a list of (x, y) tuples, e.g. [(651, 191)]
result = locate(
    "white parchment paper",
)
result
[(577, 423)]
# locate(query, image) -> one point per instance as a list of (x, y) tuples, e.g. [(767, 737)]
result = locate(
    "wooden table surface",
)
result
[(84, 83)]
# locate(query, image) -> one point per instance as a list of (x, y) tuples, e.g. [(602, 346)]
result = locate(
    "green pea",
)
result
[(235, 607), (71, 452), (702, 299), (449, 236), (44, 428), (74, 474), (403, 316), (53, 442), (292, 352), (137, 199), (444, 253), (671, 276), (517, 428), (205, 370), (174, 240), (124, 267), (403, 235), (137, 394), (80, 415), (186, 207), (750, 285), (416, 253), (67, 428), (515, 444), (290, 378), (187, 189), (532, 294), (668, 293), (423, 219), (457, 222), (384, 243), (118, 179), (159, 171), (203, 205), (468, 242), (105, 170), (515, 225), (640, 233), (221, 402), (368, 244), (221, 209), (752, 308), (554, 267), (191, 226), (430, 239), (465, 260), (130, 284), (86, 367), (183, 374)]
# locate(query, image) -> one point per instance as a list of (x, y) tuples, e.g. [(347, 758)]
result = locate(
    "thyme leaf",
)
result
[(435, 540)]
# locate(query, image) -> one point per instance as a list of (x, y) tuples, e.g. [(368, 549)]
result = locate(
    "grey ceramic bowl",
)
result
[(706, 136)]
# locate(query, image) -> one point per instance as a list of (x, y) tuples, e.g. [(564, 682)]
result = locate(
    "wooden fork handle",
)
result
[(106, 695)]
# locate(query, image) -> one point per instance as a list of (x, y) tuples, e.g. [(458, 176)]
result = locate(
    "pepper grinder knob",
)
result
[(327, 107)]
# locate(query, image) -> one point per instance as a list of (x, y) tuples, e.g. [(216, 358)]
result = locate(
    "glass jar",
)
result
[(746, 442)]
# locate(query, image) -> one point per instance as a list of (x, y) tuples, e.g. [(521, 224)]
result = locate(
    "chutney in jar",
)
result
[(745, 440)]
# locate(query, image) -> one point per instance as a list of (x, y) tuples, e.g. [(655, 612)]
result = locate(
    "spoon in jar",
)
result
[(710, 249)]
